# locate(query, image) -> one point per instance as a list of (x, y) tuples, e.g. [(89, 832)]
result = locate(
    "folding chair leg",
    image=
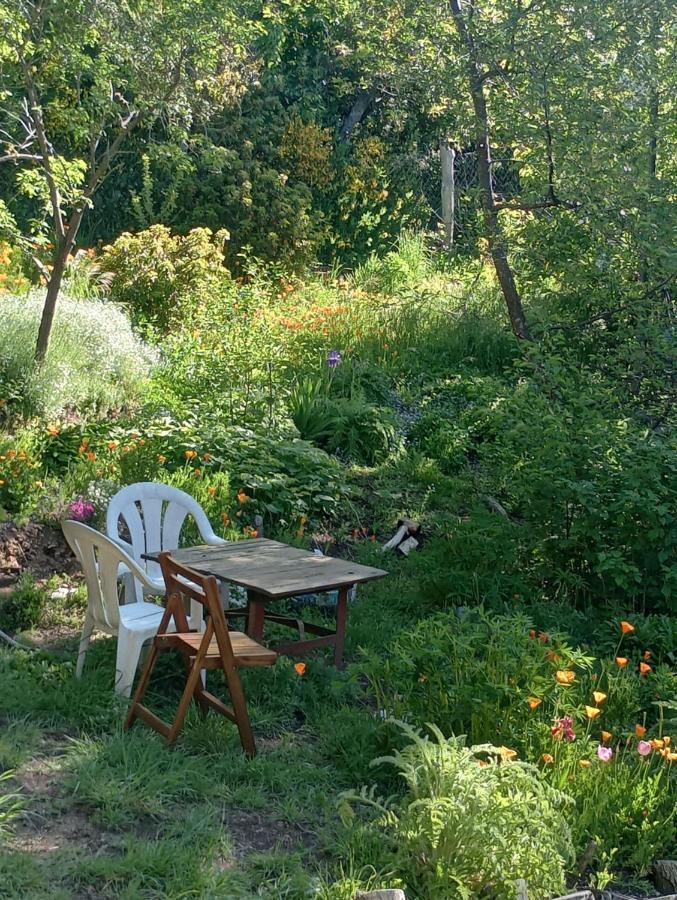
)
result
[(184, 703), (141, 686), (87, 630), (240, 709)]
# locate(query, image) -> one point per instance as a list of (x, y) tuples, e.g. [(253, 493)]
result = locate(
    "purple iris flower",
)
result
[(333, 359)]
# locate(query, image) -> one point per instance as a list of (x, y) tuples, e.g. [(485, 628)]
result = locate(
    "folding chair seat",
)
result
[(215, 648)]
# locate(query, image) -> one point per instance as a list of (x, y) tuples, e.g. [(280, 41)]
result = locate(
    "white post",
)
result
[(447, 159)]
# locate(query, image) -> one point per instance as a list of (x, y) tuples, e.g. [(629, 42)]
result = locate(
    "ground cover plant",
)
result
[(281, 258)]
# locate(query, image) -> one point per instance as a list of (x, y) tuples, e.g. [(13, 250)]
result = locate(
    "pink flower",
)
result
[(644, 748), (563, 728), (604, 753)]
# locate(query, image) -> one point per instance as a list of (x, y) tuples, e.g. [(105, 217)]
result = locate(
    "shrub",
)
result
[(94, 364), (24, 606), (471, 821), (161, 278)]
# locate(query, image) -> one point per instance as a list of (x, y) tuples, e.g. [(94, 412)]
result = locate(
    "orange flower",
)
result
[(300, 668), (599, 697), (53, 430), (626, 627), (584, 763), (225, 518), (207, 457), (646, 654), (644, 668), (547, 758), (592, 712), (667, 739), (543, 637), (640, 731), (552, 656), (482, 763), (112, 445), (657, 744), (621, 661), (507, 754), (564, 676), (190, 454), (532, 633), (606, 736), (197, 472), (211, 490), (161, 458), (91, 456), (534, 702), (241, 496)]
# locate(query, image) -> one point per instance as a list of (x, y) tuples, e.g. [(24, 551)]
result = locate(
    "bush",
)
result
[(95, 363), (24, 606), (471, 821), (161, 278)]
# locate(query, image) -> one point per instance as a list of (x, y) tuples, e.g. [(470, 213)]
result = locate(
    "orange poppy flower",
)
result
[(207, 457), (197, 472), (657, 744), (626, 627), (534, 702), (599, 697), (300, 668), (241, 496), (564, 676), (646, 654), (112, 445), (547, 758), (53, 430), (161, 459), (640, 731), (592, 712), (91, 456), (190, 454), (584, 763), (606, 736), (621, 661), (666, 740), (644, 668)]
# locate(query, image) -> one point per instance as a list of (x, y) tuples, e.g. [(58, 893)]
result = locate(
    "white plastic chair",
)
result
[(133, 623), (154, 515)]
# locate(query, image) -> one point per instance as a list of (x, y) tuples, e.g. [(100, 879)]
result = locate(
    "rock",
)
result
[(389, 894), (665, 875)]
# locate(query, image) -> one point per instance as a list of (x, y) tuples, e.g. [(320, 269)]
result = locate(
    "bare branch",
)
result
[(15, 157), (538, 204)]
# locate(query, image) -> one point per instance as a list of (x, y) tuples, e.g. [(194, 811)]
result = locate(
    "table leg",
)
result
[(256, 608), (341, 610)]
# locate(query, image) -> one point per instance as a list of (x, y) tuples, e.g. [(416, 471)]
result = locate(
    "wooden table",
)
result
[(270, 570)]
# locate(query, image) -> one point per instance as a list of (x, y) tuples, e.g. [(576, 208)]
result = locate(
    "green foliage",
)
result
[(162, 278), (24, 606), (10, 804), (95, 363), (471, 821)]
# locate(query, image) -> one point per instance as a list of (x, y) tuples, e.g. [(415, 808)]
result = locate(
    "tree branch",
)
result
[(549, 203)]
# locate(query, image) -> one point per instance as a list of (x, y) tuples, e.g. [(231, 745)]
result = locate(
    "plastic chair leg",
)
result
[(87, 630), (128, 653)]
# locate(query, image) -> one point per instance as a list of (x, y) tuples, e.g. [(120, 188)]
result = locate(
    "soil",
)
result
[(35, 548)]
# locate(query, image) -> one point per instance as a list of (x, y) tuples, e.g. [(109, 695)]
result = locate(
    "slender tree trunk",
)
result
[(494, 235), (49, 308)]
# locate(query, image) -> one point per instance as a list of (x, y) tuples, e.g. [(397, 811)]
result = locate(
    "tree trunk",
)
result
[(48, 310), (494, 235), (447, 160)]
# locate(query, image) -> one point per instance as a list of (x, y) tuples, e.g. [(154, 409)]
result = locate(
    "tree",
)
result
[(79, 77)]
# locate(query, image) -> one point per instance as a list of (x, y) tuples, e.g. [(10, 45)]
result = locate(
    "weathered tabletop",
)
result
[(272, 570)]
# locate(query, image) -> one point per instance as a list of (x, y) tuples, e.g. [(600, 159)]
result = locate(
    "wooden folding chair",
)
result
[(215, 648)]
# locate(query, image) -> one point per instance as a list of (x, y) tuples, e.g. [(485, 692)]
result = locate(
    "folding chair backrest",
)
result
[(100, 558), (180, 581), (154, 515)]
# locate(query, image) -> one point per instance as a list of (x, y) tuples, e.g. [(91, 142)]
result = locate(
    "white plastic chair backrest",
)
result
[(100, 558), (154, 515)]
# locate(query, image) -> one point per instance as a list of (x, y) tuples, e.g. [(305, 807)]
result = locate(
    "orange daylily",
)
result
[(112, 445), (592, 712), (91, 456), (534, 702), (627, 627), (584, 763), (197, 472), (161, 458), (241, 496), (644, 668), (599, 697), (547, 758), (621, 661), (190, 454), (640, 731), (606, 736), (300, 668), (564, 676)]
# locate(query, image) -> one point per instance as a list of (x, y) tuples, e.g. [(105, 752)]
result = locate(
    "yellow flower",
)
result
[(534, 702), (599, 697), (626, 627), (592, 712), (564, 676), (507, 754), (584, 763), (657, 744)]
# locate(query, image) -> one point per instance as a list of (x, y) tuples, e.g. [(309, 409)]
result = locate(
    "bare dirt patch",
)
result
[(35, 548)]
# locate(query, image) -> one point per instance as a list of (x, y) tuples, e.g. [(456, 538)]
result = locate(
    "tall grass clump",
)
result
[(95, 362)]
